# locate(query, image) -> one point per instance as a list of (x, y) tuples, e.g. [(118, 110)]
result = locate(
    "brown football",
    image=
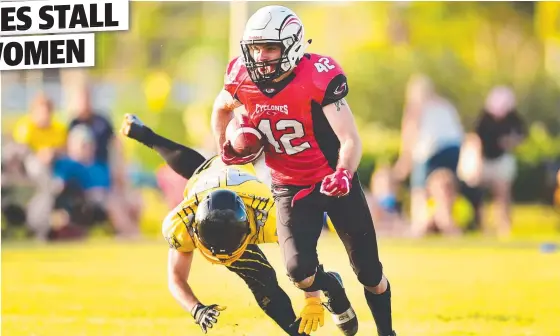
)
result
[(245, 139)]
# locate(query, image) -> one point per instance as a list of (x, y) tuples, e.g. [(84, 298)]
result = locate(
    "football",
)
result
[(245, 139)]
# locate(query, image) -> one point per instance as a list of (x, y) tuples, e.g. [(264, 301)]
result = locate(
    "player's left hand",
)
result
[(312, 316), (338, 183), (229, 157), (206, 316)]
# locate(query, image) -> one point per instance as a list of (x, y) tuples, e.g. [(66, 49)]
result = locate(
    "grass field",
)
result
[(469, 286)]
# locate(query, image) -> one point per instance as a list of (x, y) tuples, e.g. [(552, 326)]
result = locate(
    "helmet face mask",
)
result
[(222, 229), (272, 25), (266, 70)]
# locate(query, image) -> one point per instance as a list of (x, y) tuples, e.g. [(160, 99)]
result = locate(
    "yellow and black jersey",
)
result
[(214, 174)]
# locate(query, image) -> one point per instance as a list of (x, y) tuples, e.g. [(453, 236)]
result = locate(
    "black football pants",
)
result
[(299, 226)]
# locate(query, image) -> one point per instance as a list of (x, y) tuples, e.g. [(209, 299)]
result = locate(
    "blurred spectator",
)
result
[(39, 130), (100, 126), (41, 137), (385, 208), (85, 196), (108, 147), (82, 166), (109, 154), (38, 139), (55, 209), (499, 129), (469, 172), (431, 138)]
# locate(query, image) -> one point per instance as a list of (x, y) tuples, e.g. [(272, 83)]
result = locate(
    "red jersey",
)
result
[(302, 148)]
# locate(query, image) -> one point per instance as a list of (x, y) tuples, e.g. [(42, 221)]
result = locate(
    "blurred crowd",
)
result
[(449, 170), (79, 179), (75, 172)]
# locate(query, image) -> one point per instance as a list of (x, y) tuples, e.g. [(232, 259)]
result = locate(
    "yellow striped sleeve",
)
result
[(174, 228)]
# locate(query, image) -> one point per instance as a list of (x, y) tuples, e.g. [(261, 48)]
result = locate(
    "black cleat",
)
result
[(345, 319)]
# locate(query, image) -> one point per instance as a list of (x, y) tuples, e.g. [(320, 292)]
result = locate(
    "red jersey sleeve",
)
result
[(329, 80), (232, 79)]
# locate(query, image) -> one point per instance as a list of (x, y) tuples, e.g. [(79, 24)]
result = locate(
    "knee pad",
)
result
[(318, 280), (307, 284), (300, 269), (387, 290), (369, 274)]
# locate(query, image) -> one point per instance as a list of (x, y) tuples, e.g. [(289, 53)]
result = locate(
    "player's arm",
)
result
[(340, 117), (342, 121), (183, 160), (222, 113), (179, 268), (179, 265)]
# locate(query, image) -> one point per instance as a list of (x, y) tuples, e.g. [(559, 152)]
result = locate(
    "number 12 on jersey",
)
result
[(286, 139)]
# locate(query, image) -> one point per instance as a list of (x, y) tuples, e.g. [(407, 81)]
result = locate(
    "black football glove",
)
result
[(134, 128), (206, 316)]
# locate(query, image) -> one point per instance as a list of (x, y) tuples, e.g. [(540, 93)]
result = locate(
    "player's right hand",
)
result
[(206, 316), (337, 184), (229, 156)]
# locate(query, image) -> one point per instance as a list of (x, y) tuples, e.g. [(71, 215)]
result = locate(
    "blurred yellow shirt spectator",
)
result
[(39, 129), (28, 133)]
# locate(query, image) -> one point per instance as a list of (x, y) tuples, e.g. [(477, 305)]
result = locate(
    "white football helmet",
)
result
[(273, 24)]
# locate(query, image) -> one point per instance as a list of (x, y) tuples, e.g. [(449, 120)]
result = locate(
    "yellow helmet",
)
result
[(222, 227)]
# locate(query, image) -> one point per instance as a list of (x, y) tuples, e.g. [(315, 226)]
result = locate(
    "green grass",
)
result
[(469, 286)]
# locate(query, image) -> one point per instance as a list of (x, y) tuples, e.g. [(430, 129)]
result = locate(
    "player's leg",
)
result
[(299, 226), (183, 160), (258, 274), (353, 222)]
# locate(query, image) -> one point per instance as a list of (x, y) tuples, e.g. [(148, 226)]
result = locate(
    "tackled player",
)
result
[(226, 213)]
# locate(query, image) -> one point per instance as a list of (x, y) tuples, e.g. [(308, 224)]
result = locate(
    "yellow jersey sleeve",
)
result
[(262, 203), (175, 228)]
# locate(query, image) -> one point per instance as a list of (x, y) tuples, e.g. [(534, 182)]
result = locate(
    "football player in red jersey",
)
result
[(297, 101)]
